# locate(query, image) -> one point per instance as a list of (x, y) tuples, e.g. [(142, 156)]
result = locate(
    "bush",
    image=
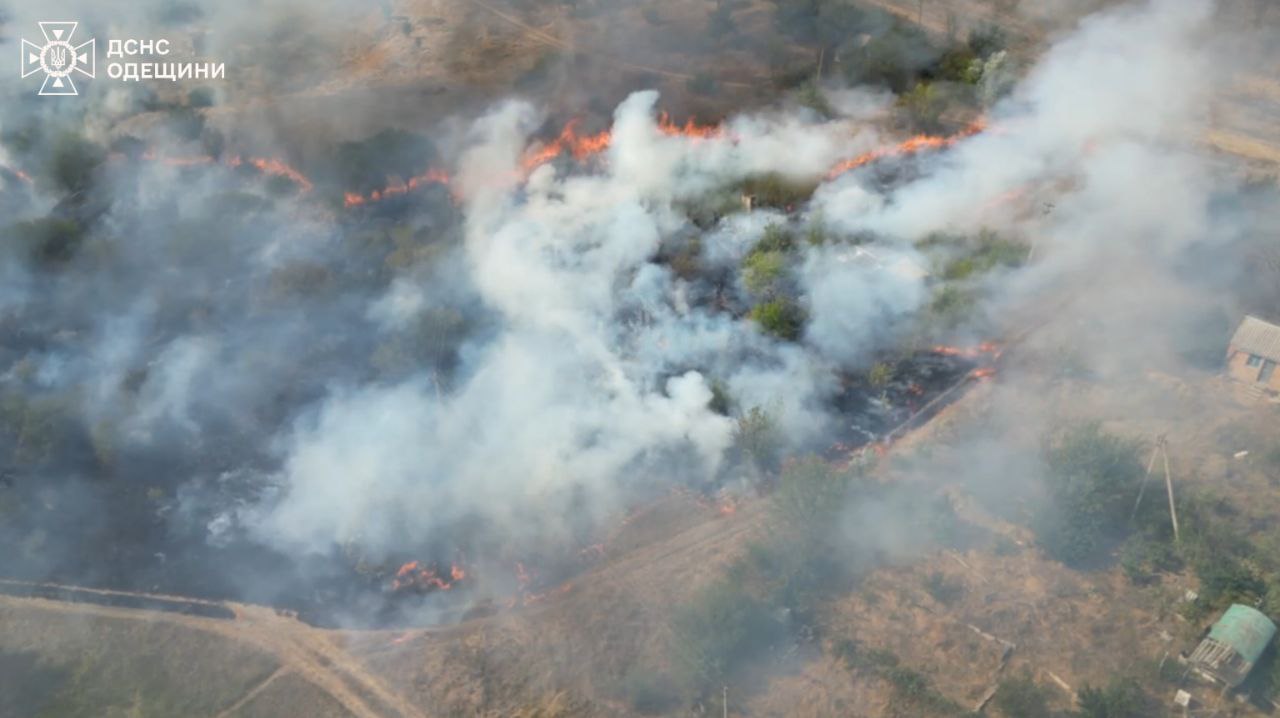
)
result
[(991, 251), (49, 241), (720, 631), (367, 164), (75, 162), (756, 437), (1092, 480), (774, 190), (809, 497), (986, 40), (1122, 698), (780, 317), (952, 305), (762, 272), (810, 95), (649, 692), (880, 374), (1021, 697), (943, 589), (912, 690), (893, 58), (924, 106)]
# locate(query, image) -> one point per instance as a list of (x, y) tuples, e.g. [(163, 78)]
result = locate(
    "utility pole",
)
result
[(724, 702), (1161, 450), (1168, 484), (1150, 465)]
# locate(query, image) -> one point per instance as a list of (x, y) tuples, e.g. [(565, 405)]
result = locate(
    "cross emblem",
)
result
[(58, 58)]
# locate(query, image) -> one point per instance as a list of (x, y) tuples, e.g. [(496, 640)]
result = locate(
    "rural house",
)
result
[(1253, 354)]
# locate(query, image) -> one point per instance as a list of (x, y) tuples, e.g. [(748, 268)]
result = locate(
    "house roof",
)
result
[(1258, 337), (1246, 630)]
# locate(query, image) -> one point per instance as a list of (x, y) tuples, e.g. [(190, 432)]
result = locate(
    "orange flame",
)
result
[(688, 129), (908, 146), (265, 165), (580, 147), (396, 187), (276, 167), (415, 575), (991, 349)]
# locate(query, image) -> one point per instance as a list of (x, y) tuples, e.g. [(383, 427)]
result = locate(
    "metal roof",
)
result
[(1258, 337), (1247, 630)]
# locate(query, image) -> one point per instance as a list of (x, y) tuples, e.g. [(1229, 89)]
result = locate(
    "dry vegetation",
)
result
[(579, 652)]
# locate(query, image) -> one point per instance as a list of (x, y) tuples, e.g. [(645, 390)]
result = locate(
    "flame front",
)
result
[(413, 575), (396, 187), (568, 142), (909, 146)]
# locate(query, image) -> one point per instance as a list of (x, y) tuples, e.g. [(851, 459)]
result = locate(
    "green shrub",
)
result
[(991, 251), (780, 317), (942, 588), (1121, 698), (809, 497), (762, 272), (772, 189), (952, 305), (923, 105), (719, 631), (757, 438), (1021, 697), (49, 241), (1092, 479), (880, 374), (810, 95)]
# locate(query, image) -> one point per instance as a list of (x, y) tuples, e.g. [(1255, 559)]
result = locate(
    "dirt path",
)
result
[(252, 693), (301, 649)]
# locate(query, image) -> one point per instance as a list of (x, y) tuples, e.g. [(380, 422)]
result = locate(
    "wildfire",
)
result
[(265, 165), (416, 576), (908, 146), (985, 372), (578, 146), (688, 129), (275, 167), (990, 349), (396, 187)]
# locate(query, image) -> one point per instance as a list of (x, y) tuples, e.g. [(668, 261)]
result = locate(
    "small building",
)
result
[(1253, 354), (1233, 646)]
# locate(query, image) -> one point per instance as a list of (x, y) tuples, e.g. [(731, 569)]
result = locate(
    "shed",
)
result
[(1234, 645), (1253, 354)]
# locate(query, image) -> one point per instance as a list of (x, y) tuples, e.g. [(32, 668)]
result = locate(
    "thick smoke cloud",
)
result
[(252, 341)]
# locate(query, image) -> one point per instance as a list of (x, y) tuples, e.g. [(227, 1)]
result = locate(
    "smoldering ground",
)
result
[(243, 388)]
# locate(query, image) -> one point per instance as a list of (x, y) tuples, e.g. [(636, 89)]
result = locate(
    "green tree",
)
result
[(757, 437), (1092, 478)]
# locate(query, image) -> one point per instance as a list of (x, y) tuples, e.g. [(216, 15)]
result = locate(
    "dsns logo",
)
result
[(58, 58)]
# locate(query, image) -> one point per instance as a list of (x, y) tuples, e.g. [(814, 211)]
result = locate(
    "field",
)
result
[(920, 630)]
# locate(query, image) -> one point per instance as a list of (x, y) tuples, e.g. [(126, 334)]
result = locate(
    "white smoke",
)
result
[(599, 378)]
